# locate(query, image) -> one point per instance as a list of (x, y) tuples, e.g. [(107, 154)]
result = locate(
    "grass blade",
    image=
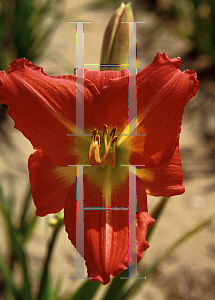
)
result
[(86, 291)]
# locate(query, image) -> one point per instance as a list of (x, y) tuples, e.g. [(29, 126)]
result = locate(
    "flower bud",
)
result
[(115, 45), (57, 219)]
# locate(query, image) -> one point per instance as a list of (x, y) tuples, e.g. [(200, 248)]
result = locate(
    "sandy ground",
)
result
[(190, 272)]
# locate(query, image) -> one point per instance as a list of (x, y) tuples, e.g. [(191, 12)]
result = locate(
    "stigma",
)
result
[(94, 154)]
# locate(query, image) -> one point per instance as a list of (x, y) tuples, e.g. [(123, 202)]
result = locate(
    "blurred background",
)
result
[(38, 30)]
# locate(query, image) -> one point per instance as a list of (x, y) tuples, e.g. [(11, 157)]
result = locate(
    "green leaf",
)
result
[(27, 223), (18, 251), (16, 241), (6, 275), (26, 202), (116, 287), (44, 289), (29, 228), (86, 291)]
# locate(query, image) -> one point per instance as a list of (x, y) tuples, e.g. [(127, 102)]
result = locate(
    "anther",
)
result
[(94, 133), (98, 139), (114, 139), (113, 131), (105, 131)]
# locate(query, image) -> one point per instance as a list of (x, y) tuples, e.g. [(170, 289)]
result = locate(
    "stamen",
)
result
[(106, 153), (105, 130), (113, 131), (113, 156), (98, 140), (94, 152), (94, 148), (114, 139), (94, 133), (96, 155), (114, 149), (90, 152)]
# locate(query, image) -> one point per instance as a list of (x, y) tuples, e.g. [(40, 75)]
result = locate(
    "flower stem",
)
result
[(25, 207)]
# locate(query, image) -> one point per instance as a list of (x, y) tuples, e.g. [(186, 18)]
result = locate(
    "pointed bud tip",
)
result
[(128, 6)]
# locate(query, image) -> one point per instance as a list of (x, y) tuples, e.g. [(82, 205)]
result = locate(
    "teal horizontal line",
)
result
[(105, 208), (132, 277)]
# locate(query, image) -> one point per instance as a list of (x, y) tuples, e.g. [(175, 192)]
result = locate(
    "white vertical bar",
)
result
[(132, 106), (79, 44), (80, 78), (132, 220), (80, 225)]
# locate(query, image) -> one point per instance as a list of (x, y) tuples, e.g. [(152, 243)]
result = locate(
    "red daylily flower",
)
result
[(44, 110)]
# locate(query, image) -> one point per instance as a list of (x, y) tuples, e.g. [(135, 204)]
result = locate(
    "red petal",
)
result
[(165, 179), (50, 184), (162, 92), (106, 240), (44, 108), (144, 220), (102, 78), (113, 86), (112, 105)]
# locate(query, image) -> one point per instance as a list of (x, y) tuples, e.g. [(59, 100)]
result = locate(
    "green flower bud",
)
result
[(116, 39), (57, 219)]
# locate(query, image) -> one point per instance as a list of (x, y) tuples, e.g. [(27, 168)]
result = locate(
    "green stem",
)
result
[(25, 207), (7, 278), (156, 213)]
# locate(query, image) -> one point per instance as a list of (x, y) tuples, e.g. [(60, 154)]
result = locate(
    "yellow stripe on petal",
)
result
[(65, 174), (145, 175), (128, 129)]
